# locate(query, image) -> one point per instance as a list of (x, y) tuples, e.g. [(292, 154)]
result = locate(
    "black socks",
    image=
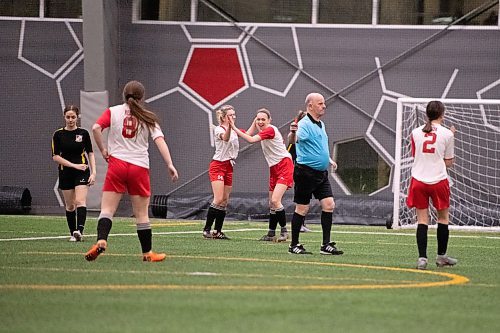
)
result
[(297, 221), (81, 217), (422, 240), (442, 238), (71, 219)]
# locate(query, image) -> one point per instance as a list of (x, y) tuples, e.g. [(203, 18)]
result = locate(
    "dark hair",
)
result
[(265, 111), (434, 110), (72, 107), (133, 94)]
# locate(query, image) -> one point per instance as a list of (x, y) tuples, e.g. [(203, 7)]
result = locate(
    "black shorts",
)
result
[(69, 178), (309, 182)]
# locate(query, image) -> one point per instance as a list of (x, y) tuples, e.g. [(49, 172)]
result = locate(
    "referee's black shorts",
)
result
[(309, 182), (69, 178)]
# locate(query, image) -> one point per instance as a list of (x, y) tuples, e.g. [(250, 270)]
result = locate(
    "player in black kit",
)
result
[(72, 150)]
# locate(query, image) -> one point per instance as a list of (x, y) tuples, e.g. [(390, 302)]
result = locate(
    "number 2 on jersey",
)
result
[(430, 140)]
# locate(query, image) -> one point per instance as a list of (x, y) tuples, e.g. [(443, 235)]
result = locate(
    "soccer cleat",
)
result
[(72, 239), (207, 234), (283, 235), (267, 238), (219, 235), (303, 228), (95, 251), (444, 261), (297, 249), (330, 248), (78, 236), (422, 263), (153, 256)]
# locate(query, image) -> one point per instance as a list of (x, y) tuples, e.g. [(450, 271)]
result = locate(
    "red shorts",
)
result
[(419, 194), (281, 173), (126, 177), (222, 171)]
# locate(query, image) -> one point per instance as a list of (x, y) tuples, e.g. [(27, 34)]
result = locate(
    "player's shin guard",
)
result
[(281, 216), (103, 227), (71, 219), (273, 222), (81, 218), (145, 236), (219, 219), (326, 225), (443, 235), (297, 221), (211, 214), (422, 240)]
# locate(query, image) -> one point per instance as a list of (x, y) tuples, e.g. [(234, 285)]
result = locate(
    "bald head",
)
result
[(315, 105)]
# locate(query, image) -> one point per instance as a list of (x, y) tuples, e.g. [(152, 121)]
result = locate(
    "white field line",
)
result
[(245, 230)]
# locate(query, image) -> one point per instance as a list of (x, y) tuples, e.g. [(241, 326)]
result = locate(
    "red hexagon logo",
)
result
[(215, 74)]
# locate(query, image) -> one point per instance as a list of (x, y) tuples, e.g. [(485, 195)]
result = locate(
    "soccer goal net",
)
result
[(475, 175)]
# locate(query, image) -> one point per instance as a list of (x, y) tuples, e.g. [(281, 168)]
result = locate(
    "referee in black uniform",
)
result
[(72, 151)]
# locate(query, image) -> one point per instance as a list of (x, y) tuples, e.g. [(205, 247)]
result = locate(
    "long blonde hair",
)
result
[(133, 95)]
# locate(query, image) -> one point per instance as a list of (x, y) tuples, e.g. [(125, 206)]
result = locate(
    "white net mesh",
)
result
[(475, 176)]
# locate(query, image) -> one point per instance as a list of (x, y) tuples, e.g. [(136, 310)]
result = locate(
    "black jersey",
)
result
[(72, 145)]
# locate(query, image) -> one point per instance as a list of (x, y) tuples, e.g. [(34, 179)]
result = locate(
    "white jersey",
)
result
[(273, 145), (429, 151), (127, 141), (225, 150)]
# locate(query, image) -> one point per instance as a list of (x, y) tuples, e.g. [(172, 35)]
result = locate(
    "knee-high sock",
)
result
[(326, 225), (145, 236), (211, 214), (297, 221), (273, 222), (422, 240), (81, 218), (219, 220), (71, 219), (443, 235), (104, 225), (281, 216)]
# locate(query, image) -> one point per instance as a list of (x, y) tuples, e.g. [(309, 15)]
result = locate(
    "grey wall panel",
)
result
[(461, 62)]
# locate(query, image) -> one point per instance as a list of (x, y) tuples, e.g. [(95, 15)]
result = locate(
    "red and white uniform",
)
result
[(277, 157), (225, 150), (221, 166), (429, 151), (429, 175), (273, 145), (127, 141)]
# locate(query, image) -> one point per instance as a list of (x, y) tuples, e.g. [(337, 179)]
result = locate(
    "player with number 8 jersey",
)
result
[(130, 125), (126, 140)]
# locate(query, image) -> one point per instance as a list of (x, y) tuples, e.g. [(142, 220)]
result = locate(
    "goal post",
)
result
[(475, 175)]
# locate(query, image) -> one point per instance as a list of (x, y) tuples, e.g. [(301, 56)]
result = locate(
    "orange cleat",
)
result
[(153, 256), (95, 251)]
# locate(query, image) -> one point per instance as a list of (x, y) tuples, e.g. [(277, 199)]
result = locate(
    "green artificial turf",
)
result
[(242, 285)]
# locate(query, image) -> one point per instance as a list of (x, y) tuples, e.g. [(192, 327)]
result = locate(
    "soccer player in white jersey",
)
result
[(129, 125), (280, 167), (433, 152), (220, 172)]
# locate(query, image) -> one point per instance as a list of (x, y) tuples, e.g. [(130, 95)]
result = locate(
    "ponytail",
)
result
[(434, 110), (133, 93)]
